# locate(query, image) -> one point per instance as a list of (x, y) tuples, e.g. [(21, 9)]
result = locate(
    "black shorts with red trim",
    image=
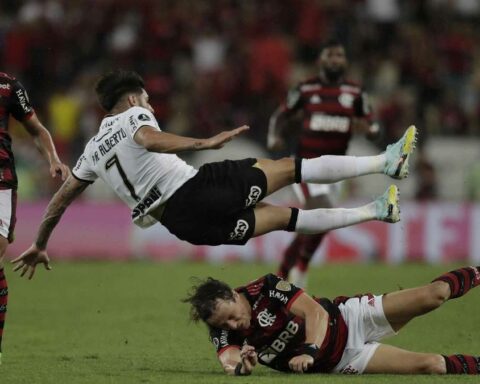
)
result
[(216, 205)]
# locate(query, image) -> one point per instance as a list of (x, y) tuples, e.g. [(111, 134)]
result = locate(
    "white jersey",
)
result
[(142, 179)]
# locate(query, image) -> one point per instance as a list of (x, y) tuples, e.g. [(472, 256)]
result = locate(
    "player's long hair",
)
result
[(203, 297), (113, 85)]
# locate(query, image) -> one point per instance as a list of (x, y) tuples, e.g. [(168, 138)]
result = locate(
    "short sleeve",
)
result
[(223, 339), (20, 106), (83, 172), (138, 117), (280, 291)]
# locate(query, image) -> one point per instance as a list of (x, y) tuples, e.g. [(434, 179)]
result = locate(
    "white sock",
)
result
[(330, 169), (325, 219)]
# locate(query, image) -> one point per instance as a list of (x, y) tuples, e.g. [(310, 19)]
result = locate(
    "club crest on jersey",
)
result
[(143, 117), (346, 100), (240, 230), (253, 196), (266, 319)]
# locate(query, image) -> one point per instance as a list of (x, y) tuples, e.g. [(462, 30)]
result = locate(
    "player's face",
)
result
[(333, 62), (231, 314), (143, 101)]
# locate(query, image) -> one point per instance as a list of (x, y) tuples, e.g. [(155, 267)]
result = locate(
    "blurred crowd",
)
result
[(216, 64)]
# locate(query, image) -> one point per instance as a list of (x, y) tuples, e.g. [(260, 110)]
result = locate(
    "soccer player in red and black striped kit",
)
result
[(332, 108), (274, 323), (14, 102)]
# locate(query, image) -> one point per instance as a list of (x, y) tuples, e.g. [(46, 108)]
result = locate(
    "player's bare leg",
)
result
[(390, 359), (402, 306), (3, 290), (330, 169), (270, 218)]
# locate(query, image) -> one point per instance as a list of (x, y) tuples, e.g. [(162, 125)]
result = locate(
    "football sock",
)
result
[(290, 257), (458, 364), (299, 253), (330, 169), (461, 280), (306, 252), (3, 304), (321, 220)]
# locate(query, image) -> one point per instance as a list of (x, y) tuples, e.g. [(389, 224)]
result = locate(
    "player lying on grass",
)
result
[(277, 324), (219, 203)]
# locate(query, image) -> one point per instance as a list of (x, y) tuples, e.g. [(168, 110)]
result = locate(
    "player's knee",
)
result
[(431, 364), (433, 296), (439, 292)]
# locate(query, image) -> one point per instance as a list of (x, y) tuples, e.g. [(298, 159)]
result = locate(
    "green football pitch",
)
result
[(124, 323)]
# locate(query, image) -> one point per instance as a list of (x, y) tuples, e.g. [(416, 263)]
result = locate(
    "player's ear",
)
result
[(235, 295), (132, 100)]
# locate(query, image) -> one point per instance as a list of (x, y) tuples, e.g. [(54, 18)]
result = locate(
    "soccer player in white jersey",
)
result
[(221, 202)]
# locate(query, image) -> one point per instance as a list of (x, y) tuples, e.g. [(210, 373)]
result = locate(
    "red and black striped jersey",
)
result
[(13, 101), (276, 333), (327, 112)]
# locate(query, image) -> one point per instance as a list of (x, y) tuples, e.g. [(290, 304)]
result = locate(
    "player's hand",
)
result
[(275, 143), (300, 363), (248, 353), (218, 141), (57, 168), (29, 259)]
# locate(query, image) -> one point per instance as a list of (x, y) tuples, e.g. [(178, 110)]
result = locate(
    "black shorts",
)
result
[(216, 205)]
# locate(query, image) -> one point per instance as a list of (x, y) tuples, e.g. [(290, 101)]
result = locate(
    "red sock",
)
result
[(290, 256), (462, 364), (310, 245), (3, 303), (461, 280)]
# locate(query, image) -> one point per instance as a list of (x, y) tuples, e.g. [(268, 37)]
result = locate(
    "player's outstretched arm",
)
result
[(36, 254), (163, 142), (44, 143), (316, 324), (239, 362)]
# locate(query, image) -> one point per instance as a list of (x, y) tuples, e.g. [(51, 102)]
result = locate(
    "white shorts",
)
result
[(305, 191), (367, 325), (8, 202)]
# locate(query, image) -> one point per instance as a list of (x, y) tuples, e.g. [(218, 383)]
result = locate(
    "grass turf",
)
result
[(124, 323)]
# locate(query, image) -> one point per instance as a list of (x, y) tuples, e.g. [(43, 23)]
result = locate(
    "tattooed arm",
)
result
[(36, 254)]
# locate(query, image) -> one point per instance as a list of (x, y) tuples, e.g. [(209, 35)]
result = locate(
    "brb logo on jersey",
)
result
[(240, 230), (265, 319), (253, 196), (278, 345)]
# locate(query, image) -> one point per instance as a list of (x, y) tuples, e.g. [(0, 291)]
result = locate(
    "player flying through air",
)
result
[(221, 202)]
